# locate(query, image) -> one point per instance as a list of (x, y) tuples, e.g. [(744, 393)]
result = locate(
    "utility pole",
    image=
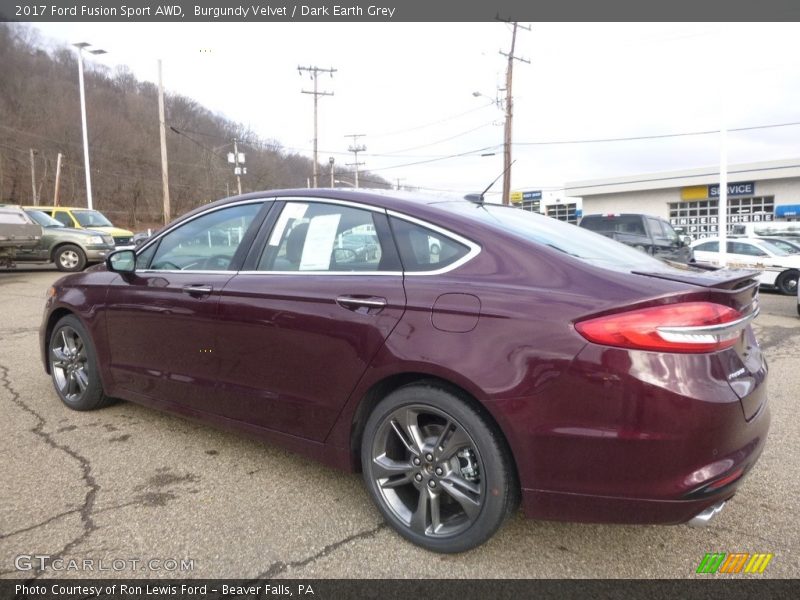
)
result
[(355, 149), (33, 177), (509, 112), (162, 125), (237, 159), (331, 162), (58, 179), (399, 179), (315, 71)]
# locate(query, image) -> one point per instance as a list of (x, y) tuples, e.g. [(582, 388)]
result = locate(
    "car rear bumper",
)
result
[(635, 438)]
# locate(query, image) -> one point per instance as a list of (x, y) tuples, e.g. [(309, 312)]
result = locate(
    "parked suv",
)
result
[(69, 248), (83, 218), (647, 233)]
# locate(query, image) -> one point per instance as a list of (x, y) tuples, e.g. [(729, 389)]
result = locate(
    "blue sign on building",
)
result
[(744, 188), (534, 195)]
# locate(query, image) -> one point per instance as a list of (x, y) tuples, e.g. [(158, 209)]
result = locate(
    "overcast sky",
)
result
[(409, 87)]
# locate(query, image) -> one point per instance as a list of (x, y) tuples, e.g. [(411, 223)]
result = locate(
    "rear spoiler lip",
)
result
[(717, 279)]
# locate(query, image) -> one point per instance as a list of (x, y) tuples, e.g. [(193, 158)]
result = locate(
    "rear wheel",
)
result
[(787, 282), (436, 469), (70, 258), (73, 366)]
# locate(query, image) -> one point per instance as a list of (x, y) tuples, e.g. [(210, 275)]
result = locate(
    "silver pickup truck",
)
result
[(17, 232)]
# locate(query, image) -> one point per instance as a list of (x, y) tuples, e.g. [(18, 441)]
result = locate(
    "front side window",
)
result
[(318, 236), (707, 247), (206, 243)]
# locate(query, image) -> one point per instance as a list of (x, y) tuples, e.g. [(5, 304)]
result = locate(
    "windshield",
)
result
[(91, 218), (570, 239), (43, 219)]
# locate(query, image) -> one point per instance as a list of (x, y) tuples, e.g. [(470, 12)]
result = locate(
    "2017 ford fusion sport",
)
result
[(475, 358)]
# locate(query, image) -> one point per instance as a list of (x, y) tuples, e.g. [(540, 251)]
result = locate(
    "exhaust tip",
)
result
[(703, 518)]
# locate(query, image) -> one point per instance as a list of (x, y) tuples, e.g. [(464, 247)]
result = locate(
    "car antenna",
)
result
[(478, 198)]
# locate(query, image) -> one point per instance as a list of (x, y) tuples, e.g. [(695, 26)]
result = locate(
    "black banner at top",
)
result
[(397, 10)]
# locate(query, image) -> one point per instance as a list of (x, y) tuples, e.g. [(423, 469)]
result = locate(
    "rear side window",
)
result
[(321, 237), (422, 249), (63, 218)]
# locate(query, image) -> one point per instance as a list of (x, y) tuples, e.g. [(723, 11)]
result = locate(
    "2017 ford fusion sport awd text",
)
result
[(477, 357)]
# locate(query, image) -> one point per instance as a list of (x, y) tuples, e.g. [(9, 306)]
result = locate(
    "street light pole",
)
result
[(80, 46)]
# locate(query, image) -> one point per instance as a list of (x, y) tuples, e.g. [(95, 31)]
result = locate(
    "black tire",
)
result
[(437, 470), (70, 258), (73, 366), (787, 282)]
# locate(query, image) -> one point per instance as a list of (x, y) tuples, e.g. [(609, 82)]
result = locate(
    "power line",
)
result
[(415, 128)]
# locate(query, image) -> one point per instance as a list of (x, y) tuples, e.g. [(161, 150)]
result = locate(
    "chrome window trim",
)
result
[(335, 273), (349, 203), (474, 249)]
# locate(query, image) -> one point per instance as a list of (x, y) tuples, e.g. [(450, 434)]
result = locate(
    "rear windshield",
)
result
[(615, 224), (577, 242)]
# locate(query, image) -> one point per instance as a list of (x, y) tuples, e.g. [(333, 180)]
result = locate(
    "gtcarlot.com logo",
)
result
[(45, 562), (739, 562)]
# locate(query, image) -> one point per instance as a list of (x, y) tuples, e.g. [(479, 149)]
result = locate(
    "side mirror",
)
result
[(686, 239), (121, 261)]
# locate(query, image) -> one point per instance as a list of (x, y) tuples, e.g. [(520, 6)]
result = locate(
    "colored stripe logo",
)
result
[(740, 562)]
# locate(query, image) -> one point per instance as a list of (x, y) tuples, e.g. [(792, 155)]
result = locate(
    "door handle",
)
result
[(353, 303), (197, 290)]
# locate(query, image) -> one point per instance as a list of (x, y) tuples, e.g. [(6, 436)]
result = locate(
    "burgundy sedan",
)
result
[(524, 359)]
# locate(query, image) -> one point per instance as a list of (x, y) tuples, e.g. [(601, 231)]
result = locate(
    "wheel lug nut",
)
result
[(418, 476), (429, 456), (439, 470), (416, 460), (431, 484)]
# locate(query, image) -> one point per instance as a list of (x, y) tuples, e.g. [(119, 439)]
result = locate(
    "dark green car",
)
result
[(70, 249)]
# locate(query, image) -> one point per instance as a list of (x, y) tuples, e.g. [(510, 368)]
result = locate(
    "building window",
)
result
[(564, 212), (699, 218)]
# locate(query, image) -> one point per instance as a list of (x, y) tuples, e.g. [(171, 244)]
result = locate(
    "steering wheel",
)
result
[(166, 266), (217, 262)]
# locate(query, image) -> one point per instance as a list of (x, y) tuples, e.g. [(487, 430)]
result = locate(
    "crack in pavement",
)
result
[(280, 566), (86, 508)]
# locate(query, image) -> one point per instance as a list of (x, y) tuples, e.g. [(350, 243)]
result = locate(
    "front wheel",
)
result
[(437, 470), (70, 258), (787, 282), (73, 366)]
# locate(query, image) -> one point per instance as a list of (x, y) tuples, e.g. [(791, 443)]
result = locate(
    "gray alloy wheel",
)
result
[(787, 282), (73, 366), (429, 461), (70, 258)]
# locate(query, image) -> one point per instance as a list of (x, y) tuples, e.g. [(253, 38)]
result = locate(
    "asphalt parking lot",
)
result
[(127, 483)]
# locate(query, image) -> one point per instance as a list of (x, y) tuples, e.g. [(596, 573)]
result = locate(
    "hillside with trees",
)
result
[(40, 111)]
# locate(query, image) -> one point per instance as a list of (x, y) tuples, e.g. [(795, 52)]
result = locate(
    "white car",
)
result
[(778, 268)]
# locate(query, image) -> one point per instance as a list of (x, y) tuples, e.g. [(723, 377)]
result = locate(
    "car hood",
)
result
[(113, 231)]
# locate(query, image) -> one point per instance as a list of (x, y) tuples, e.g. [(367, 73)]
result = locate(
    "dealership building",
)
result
[(764, 191)]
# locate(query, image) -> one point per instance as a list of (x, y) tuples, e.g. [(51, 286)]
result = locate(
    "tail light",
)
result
[(682, 327)]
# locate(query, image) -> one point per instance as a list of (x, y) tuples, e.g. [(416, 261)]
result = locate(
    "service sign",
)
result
[(747, 188)]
